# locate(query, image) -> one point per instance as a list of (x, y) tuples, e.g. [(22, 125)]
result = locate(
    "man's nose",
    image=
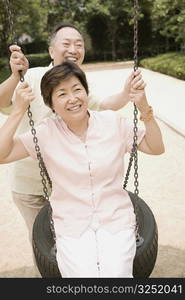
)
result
[(72, 48)]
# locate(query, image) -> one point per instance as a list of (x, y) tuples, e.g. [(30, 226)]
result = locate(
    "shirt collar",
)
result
[(69, 132)]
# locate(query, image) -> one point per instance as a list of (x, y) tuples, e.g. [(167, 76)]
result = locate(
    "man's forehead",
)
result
[(69, 33)]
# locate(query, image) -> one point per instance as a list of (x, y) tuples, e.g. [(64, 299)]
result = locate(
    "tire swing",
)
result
[(43, 239)]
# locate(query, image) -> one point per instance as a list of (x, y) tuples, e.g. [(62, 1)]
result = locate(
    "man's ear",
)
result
[(50, 49)]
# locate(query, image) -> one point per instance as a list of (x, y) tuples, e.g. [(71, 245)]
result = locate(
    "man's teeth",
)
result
[(74, 107), (72, 59)]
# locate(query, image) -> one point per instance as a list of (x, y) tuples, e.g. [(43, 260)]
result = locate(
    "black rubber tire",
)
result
[(146, 254)]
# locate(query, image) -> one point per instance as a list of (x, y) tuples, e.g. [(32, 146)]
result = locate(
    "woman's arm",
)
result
[(12, 149), (152, 143), (119, 100)]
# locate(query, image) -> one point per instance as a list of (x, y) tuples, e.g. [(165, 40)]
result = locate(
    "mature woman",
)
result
[(83, 152)]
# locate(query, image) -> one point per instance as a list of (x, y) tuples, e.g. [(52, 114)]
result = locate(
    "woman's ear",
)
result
[(52, 108)]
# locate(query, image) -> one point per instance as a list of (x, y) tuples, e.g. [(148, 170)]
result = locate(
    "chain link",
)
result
[(12, 36), (43, 170), (43, 173), (10, 13), (134, 153)]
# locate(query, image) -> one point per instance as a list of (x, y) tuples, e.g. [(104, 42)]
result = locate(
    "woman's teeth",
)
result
[(76, 107)]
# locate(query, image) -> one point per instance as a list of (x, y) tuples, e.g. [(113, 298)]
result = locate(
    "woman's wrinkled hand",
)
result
[(23, 97), (137, 91)]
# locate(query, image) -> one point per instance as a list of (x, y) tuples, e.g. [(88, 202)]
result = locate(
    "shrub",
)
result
[(169, 63), (35, 60), (3, 62), (39, 60)]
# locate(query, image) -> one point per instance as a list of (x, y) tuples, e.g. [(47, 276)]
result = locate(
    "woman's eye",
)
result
[(77, 90)]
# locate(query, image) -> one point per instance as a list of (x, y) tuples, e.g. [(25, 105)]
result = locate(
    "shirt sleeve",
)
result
[(6, 110), (94, 103), (127, 129)]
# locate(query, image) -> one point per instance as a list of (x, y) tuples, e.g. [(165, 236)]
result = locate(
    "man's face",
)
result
[(68, 44)]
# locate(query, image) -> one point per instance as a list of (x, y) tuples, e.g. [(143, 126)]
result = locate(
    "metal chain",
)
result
[(134, 153), (10, 14), (43, 170), (43, 173), (10, 11)]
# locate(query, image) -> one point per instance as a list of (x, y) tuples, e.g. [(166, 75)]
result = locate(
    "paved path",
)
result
[(161, 179)]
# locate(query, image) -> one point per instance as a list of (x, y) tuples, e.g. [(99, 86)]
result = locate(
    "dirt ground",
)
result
[(161, 185)]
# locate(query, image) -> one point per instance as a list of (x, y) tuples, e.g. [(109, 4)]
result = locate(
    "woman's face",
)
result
[(70, 100)]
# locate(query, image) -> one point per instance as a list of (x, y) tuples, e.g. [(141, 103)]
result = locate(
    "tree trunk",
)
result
[(113, 50), (113, 30), (182, 46)]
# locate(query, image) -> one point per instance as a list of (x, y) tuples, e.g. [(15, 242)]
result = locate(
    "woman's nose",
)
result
[(72, 98)]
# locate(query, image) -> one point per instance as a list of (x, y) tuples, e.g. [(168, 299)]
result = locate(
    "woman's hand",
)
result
[(23, 97), (137, 92), (18, 61), (133, 81)]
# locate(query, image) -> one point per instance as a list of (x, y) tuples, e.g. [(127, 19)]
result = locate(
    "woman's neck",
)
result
[(79, 128)]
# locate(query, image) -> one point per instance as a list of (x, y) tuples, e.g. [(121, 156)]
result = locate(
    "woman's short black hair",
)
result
[(58, 74)]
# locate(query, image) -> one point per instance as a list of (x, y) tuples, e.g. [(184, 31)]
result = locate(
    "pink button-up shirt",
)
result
[(86, 176)]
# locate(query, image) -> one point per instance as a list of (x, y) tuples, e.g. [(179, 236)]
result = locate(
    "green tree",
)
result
[(112, 18), (3, 29), (168, 18), (71, 11), (19, 17)]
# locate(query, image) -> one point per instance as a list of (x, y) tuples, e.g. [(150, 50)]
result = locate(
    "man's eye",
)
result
[(62, 95), (66, 44)]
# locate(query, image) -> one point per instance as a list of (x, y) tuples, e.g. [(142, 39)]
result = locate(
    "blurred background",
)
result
[(107, 26)]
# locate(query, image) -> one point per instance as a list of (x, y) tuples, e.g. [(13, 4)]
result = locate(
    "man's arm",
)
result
[(119, 100), (18, 62), (12, 149)]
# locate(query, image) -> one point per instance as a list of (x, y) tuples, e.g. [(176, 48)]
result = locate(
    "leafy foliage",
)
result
[(169, 18), (107, 25), (169, 63)]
